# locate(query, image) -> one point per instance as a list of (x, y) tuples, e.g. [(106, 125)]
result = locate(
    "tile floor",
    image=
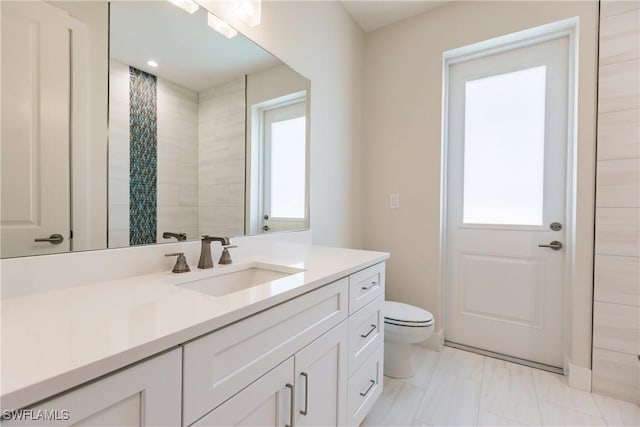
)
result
[(458, 388)]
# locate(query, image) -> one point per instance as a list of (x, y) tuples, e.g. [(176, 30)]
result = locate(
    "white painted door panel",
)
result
[(321, 380), (267, 402), (35, 128), (504, 292), (146, 394)]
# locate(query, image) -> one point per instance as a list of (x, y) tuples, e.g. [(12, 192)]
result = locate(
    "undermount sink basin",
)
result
[(231, 279)]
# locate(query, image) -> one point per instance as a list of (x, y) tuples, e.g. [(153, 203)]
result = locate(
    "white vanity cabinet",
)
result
[(146, 394), (315, 360), (366, 339)]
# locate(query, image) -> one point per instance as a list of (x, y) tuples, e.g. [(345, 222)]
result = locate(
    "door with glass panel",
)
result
[(506, 201), (284, 183)]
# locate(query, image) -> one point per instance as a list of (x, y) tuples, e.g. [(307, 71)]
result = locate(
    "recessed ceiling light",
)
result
[(152, 63), (220, 26), (186, 5)]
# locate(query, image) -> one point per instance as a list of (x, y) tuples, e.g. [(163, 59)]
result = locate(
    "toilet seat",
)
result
[(405, 315)]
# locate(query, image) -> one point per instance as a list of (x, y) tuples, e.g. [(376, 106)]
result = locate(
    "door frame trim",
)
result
[(554, 30)]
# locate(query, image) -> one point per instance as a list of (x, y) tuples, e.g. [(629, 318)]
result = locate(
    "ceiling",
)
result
[(374, 14), (187, 51)]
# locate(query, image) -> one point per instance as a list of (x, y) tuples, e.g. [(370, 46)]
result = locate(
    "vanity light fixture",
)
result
[(249, 11), (220, 26), (152, 63), (186, 5)]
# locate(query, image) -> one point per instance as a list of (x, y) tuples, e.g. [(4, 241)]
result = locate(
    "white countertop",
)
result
[(56, 340)]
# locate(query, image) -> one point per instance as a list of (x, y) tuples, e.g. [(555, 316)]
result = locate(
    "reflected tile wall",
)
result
[(222, 159)]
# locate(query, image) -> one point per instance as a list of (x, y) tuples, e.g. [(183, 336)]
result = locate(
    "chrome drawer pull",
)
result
[(369, 389), (290, 387), (306, 392), (371, 285), (373, 328)]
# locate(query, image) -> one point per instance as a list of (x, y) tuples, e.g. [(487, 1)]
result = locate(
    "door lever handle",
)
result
[(54, 239), (555, 245)]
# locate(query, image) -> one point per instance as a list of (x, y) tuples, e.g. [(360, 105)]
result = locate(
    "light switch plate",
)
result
[(394, 201)]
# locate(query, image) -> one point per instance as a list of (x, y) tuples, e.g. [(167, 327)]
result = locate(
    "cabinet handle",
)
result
[(290, 387), (306, 393), (373, 328), (373, 382), (371, 285)]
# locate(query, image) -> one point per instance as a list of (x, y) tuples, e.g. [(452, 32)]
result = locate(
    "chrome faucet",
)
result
[(180, 237), (205, 253)]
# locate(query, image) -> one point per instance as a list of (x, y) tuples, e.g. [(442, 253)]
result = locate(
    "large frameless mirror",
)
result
[(135, 123)]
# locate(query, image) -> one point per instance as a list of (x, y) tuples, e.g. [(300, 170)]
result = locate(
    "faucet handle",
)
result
[(181, 263), (225, 258)]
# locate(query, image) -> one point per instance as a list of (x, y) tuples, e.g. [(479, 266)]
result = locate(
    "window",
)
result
[(504, 134)]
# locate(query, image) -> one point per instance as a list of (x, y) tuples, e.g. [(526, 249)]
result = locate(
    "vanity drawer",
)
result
[(365, 386), (366, 333), (220, 364), (365, 286)]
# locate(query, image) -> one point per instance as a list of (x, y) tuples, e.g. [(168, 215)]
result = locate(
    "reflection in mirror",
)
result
[(133, 123), (54, 120), (184, 102)]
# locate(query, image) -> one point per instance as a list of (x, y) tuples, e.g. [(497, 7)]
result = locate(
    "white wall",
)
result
[(402, 116), (321, 41)]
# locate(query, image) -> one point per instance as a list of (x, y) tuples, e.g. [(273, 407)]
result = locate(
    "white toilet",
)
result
[(404, 325)]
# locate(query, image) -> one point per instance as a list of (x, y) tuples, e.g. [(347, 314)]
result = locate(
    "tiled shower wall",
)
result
[(177, 160), (118, 155), (177, 154), (616, 306), (222, 159)]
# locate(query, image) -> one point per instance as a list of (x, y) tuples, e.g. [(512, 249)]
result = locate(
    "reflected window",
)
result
[(285, 161)]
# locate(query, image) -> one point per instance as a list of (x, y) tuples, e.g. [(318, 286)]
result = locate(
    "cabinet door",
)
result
[(147, 394), (321, 380), (266, 402)]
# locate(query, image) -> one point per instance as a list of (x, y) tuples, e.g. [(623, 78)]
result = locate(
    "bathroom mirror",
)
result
[(126, 121)]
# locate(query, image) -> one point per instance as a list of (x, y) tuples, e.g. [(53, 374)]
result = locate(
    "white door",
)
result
[(267, 402), (35, 128), (284, 183), (506, 186), (321, 380)]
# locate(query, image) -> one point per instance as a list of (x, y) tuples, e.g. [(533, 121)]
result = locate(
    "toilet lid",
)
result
[(397, 313)]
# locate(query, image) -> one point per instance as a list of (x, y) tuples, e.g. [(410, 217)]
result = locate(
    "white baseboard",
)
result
[(578, 377), (435, 341)]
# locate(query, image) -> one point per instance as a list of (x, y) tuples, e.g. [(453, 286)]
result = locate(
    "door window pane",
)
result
[(504, 148), (288, 168)]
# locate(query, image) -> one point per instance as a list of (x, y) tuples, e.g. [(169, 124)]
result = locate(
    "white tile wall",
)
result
[(177, 160), (222, 159), (118, 235)]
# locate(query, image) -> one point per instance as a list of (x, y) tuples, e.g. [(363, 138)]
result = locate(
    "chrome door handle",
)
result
[(371, 285), (555, 245), (306, 393), (54, 239), (373, 328), (291, 402)]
